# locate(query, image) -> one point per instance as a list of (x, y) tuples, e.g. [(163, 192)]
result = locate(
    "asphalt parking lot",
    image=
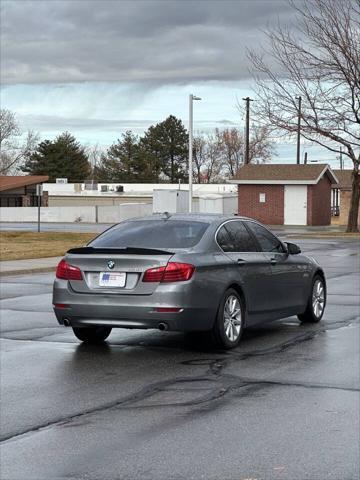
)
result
[(152, 405)]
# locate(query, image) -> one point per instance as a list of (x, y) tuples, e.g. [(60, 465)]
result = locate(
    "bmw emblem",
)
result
[(111, 264)]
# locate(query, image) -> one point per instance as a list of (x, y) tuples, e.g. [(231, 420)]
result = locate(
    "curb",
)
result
[(28, 270)]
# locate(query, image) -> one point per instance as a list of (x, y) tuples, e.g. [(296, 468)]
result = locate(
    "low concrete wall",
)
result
[(122, 212), (93, 214)]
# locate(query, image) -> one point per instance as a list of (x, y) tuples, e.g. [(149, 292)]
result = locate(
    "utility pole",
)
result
[(298, 131), (305, 158), (247, 130), (191, 99)]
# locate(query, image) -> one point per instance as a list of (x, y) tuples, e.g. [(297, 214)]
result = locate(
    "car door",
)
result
[(252, 267), (287, 279)]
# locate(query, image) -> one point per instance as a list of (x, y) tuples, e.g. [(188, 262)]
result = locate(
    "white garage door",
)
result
[(295, 208)]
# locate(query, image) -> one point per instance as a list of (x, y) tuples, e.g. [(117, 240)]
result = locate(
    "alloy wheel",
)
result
[(232, 318), (318, 298)]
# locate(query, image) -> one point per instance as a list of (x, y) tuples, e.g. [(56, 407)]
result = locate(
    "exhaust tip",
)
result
[(163, 326), (67, 322)]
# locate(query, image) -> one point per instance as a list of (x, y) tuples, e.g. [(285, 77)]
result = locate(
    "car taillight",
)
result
[(154, 274), (173, 272), (65, 271)]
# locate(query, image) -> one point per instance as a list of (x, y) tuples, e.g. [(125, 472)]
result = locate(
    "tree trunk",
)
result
[(352, 225), (172, 169)]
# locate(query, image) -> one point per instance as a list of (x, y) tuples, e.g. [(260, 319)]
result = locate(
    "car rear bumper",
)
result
[(133, 311)]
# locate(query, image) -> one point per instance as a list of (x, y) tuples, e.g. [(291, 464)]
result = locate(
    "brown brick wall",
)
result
[(271, 212), (345, 198), (319, 203)]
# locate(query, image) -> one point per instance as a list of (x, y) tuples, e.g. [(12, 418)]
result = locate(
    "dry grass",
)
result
[(20, 245)]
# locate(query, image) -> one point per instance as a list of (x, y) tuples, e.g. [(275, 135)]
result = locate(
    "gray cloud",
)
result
[(160, 42), (54, 123)]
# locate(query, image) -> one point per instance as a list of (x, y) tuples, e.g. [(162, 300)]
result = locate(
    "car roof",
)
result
[(195, 217)]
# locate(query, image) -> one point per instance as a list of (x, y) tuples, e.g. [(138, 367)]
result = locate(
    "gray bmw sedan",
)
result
[(186, 272)]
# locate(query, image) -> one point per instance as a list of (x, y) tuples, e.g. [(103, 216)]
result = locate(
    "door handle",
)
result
[(241, 261), (273, 261)]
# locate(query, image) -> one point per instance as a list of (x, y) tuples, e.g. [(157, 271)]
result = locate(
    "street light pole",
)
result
[(191, 99), (39, 193), (298, 132)]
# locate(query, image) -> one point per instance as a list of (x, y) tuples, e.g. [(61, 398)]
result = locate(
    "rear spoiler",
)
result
[(118, 251)]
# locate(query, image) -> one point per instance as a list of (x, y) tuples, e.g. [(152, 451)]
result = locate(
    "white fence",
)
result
[(91, 214)]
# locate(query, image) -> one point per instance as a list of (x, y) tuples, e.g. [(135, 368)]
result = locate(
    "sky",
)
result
[(100, 67)]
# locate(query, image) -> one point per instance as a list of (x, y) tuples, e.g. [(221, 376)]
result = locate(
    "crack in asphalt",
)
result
[(232, 384), (225, 384)]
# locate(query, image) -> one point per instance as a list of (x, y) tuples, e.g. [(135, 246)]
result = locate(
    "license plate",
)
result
[(112, 279)]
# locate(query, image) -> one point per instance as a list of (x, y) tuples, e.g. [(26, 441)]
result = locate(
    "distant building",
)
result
[(20, 191), (107, 194), (341, 196), (283, 194)]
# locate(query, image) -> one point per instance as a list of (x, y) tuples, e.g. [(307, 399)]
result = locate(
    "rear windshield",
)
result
[(152, 234)]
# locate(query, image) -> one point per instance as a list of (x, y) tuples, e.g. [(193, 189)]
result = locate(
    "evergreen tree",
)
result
[(150, 152), (165, 147), (63, 157), (122, 161)]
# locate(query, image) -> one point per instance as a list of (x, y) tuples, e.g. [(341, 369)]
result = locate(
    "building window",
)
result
[(335, 204)]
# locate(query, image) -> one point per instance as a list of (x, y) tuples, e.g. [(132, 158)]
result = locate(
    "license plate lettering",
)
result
[(112, 279)]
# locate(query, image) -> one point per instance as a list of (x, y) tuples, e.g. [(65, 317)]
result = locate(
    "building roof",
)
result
[(345, 179), (8, 182), (283, 174)]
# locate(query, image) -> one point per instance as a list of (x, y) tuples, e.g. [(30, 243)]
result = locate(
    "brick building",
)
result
[(282, 194), (341, 197), (20, 191)]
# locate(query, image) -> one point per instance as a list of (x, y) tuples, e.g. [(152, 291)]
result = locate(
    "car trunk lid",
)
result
[(115, 270)]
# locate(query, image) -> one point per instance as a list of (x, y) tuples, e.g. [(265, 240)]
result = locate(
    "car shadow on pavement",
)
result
[(191, 342)]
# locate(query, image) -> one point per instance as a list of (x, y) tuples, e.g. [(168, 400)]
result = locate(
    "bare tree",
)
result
[(220, 154), (232, 149), (199, 157), (215, 163), (14, 152), (94, 154), (207, 156), (232, 141), (319, 61), (261, 147)]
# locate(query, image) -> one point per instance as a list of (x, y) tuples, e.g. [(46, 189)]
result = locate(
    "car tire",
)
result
[(92, 334), (316, 302), (229, 323)]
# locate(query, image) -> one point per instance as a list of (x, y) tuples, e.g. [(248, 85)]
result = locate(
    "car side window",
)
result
[(224, 240), (268, 242), (237, 238)]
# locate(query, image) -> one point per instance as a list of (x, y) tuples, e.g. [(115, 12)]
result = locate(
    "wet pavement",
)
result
[(152, 405)]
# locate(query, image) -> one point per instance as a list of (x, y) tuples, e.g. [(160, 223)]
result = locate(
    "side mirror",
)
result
[(292, 248)]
